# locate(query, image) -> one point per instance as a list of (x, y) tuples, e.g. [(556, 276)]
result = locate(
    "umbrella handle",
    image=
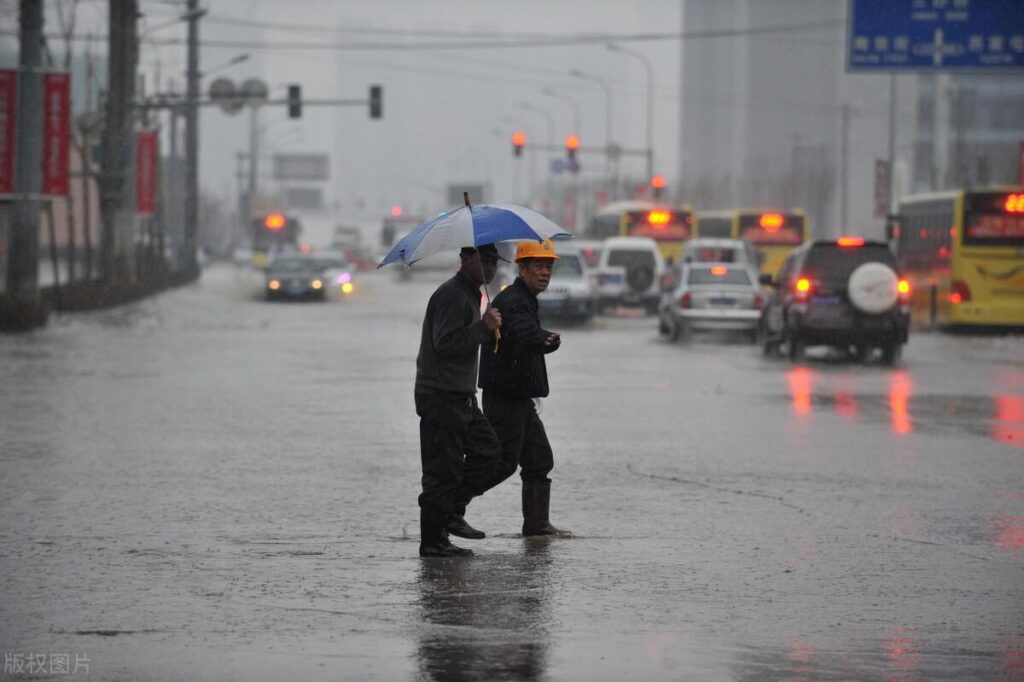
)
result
[(497, 339)]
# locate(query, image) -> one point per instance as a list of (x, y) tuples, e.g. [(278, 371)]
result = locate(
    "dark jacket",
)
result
[(451, 338), (517, 370)]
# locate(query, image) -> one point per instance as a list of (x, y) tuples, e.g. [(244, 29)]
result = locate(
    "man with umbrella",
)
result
[(512, 374), (458, 447)]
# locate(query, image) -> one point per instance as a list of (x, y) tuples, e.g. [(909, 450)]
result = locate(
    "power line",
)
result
[(472, 41)]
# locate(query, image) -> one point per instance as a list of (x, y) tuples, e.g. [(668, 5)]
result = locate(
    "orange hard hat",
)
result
[(533, 249)]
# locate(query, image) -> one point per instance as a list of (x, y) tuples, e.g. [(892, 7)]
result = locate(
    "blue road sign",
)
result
[(557, 166), (935, 35)]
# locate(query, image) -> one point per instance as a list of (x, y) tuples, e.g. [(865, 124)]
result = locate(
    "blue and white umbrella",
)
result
[(472, 226)]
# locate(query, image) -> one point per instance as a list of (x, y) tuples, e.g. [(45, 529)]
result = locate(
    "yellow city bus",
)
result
[(963, 253), (773, 233), (669, 226)]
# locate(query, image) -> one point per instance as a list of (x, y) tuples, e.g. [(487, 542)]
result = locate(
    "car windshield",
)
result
[(830, 263), (722, 275), (631, 259), (567, 267), (333, 263), (293, 265), (713, 254)]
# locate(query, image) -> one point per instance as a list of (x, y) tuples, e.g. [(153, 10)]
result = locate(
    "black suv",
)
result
[(844, 293)]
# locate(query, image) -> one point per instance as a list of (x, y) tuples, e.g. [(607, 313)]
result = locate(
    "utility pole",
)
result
[(192, 140), (116, 208), (254, 164), (844, 170), (23, 260)]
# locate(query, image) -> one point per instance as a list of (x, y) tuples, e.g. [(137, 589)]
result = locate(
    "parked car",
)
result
[(845, 293), (629, 273), (294, 276), (711, 296), (589, 251), (571, 294)]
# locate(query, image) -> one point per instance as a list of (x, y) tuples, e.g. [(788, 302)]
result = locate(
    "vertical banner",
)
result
[(146, 157), (56, 133), (8, 102)]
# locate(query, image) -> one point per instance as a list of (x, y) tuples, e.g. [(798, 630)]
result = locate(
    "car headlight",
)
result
[(347, 287), (274, 285), (317, 284)]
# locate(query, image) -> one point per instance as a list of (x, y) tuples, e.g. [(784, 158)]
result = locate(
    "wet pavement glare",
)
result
[(207, 486)]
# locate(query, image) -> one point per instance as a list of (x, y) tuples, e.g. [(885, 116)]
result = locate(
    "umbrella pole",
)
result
[(483, 277)]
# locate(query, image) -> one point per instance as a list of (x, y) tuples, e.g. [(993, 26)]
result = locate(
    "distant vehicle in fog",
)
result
[(774, 233), (711, 297), (668, 226), (294, 276), (629, 273), (571, 294)]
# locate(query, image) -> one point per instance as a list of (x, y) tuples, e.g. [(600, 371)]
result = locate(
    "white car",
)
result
[(712, 296), (571, 294), (629, 273)]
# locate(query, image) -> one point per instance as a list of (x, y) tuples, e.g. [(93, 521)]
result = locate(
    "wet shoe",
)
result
[(444, 551), (457, 526)]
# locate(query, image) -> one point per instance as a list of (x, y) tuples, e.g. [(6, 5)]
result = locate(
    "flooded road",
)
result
[(207, 486)]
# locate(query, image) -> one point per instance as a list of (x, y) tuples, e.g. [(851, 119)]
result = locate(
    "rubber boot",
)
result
[(433, 539), (457, 525), (536, 503)]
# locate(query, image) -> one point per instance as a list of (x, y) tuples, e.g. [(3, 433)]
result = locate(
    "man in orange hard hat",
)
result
[(512, 374)]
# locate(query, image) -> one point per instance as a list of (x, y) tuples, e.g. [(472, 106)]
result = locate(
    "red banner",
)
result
[(8, 102), (146, 157), (56, 133)]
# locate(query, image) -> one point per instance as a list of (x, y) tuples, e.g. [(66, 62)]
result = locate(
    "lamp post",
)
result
[(573, 104), (650, 100), (576, 73)]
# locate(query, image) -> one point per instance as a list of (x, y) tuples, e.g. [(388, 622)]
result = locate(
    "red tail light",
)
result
[(960, 293), (802, 289), (685, 300), (758, 301), (903, 288), (850, 241)]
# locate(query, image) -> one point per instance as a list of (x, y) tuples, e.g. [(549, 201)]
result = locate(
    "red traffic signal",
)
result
[(572, 143), (518, 140), (658, 182), (274, 222)]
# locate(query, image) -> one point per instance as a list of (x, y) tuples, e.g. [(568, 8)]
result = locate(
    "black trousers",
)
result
[(458, 448), (524, 442)]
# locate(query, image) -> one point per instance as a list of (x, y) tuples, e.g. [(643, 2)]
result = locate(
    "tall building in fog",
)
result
[(767, 116)]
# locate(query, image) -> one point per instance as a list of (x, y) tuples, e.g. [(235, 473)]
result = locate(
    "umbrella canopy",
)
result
[(472, 226)]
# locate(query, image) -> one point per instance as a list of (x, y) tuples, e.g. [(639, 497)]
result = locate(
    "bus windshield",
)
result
[(772, 228), (658, 224), (995, 219)]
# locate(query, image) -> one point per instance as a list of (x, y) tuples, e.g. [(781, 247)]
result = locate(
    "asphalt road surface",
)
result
[(207, 486)]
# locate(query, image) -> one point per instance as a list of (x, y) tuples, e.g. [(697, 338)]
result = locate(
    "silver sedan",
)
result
[(710, 296)]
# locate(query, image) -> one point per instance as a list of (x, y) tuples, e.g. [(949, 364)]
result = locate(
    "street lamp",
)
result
[(572, 103), (650, 100), (550, 141), (576, 73)]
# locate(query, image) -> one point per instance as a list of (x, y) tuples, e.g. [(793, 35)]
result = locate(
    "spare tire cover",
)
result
[(872, 288), (640, 277)]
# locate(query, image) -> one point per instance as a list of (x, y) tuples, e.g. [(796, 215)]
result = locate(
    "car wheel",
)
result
[(891, 353)]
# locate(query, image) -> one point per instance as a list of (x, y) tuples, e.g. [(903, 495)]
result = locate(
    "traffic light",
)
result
[(376, 101), (657, 185), (518, 140), (294, 101), (274, 222), (572, 143)]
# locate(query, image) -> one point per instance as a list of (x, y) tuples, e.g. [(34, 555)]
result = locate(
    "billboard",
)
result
[(300, 167)]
